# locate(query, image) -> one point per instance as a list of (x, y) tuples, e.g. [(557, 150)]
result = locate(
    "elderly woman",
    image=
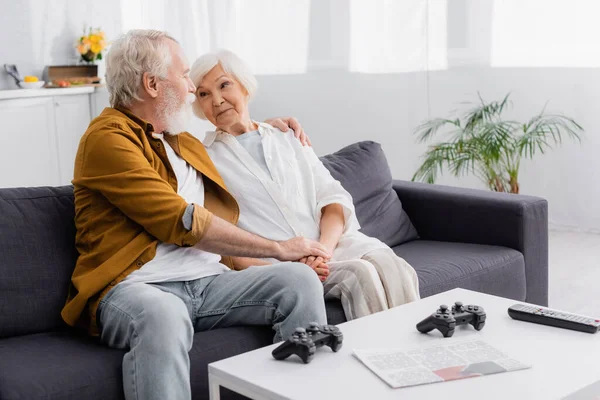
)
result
[(283, 190)]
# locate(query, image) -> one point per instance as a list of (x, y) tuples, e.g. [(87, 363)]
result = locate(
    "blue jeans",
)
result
[(156, 322)]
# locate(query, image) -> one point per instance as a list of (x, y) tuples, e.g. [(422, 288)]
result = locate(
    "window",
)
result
[(389, 36), (270, 35), (545, 33)]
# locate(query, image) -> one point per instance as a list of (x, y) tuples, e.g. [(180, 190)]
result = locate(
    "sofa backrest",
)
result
[(37, 257), (364, 172)]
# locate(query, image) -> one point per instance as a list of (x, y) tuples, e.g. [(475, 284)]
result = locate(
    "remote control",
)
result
[(560, 319)]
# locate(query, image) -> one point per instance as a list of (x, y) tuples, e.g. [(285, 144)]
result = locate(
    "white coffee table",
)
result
[(562, 360)]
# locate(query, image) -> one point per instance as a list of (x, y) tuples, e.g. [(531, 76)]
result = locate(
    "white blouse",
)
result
[(288, 204)]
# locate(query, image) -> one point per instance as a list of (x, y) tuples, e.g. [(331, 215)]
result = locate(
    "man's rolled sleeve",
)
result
[(200, 221), (113, 163)]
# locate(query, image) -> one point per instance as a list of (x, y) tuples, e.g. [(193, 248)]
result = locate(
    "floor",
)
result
[(575, 272)]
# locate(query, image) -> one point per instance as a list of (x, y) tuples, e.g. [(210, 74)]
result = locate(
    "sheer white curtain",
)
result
[(270, 35), (389, 36), (545, 33)]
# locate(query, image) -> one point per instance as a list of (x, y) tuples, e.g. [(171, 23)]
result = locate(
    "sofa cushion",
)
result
[(67, 364), (363, 171), (59, 365), (211, 346), (63, 365), (443, 266), (37, 257), (335, 312)]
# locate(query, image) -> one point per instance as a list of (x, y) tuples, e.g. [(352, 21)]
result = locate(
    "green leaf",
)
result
[(542, 131), (484, 113), (428, 129), (435, 158)]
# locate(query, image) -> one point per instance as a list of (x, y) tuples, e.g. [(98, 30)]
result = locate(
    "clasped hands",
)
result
[(318, 264)]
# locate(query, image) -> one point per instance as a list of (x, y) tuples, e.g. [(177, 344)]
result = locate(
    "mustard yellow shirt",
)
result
[(126, 201)]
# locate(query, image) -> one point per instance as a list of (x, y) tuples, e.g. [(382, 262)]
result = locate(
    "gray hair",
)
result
[(130, 56), (231, 64)]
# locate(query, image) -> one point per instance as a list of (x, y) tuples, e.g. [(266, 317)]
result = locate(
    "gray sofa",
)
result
[(489, 242)]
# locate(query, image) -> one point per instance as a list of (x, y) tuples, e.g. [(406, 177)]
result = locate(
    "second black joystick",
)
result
[(445, 320)]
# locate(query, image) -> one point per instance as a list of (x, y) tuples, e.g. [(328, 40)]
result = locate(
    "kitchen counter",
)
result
[(24, 93)]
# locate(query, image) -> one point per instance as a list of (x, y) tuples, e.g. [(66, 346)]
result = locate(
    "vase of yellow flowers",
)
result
[(91, 46)]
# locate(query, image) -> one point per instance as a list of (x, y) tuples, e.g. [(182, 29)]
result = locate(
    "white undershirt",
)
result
[(174, 263), (252, 142)]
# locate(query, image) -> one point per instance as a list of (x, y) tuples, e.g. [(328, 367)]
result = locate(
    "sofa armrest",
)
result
[(452, 214)]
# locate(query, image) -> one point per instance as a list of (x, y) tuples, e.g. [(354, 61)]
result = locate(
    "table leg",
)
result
[(214, 388)]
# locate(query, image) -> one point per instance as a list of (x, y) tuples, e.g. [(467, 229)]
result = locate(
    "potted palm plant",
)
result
[(483, 144)]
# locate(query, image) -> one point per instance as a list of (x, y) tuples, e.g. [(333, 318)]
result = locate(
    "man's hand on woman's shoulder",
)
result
[(285, 123)]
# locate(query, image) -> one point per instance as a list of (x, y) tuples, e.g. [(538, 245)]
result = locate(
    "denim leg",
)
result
[(285, 295), (154, 325)]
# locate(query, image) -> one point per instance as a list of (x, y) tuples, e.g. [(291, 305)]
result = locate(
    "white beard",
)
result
[(175, 113)]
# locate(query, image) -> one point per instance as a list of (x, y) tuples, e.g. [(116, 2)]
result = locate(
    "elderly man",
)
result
[(156, 231)]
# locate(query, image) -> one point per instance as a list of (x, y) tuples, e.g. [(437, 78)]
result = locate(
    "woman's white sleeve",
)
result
[(330, 191)]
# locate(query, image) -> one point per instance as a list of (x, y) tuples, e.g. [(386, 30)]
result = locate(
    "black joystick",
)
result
[(304, 342), (458, 306), (445, 320)]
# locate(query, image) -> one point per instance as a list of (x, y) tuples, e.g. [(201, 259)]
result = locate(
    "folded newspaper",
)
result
[(455, 360)]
